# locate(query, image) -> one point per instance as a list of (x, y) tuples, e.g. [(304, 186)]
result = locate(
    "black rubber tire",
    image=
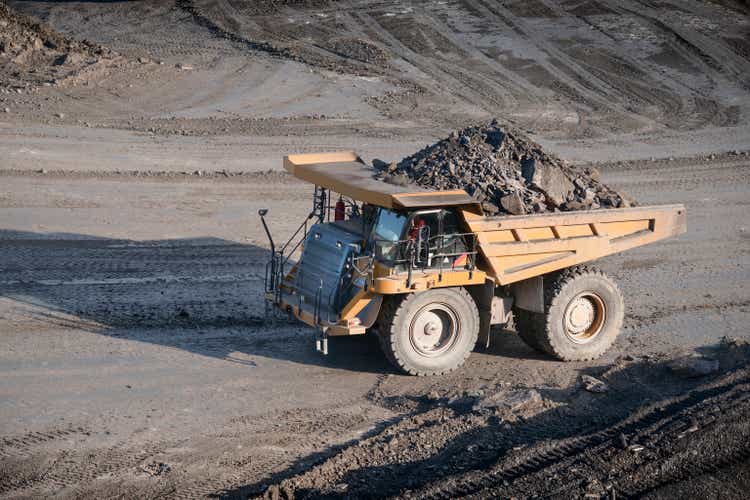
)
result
[(545, 332), (397, 314), (530, 327)]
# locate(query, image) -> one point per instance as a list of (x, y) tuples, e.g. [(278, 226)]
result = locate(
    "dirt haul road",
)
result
[(135, 357)]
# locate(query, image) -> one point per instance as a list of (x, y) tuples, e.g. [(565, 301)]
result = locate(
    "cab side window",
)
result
[(453, 242), (451, 224)]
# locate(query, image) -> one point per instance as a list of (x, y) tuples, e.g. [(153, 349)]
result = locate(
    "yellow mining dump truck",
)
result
[(429, 274)]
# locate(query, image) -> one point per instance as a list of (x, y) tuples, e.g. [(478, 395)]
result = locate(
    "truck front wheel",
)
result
[(583, 315), (429, 333)]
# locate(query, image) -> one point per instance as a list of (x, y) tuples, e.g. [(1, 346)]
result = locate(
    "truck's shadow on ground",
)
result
[(202, 295)]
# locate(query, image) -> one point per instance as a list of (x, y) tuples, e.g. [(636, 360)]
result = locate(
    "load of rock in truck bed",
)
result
[(506, 171)]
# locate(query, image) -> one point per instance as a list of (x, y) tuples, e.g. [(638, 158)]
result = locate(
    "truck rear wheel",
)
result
[(528, 325), (583, 315), (431, 332)]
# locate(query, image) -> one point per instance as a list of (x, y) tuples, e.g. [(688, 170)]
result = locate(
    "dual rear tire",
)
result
[(583, 314)]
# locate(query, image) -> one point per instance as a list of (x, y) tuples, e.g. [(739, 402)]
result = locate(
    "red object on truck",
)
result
[(339, 213)]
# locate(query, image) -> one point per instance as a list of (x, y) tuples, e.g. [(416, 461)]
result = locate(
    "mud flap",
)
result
[(529, 294), (370, 313)]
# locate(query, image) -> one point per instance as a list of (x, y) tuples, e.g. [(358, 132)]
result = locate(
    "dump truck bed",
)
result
[(512, 248), (515, 248)]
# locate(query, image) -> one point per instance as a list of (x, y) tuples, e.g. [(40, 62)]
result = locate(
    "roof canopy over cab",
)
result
[(344, 172)]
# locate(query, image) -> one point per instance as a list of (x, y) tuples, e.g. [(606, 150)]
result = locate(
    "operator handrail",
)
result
[(301, 226), (406, 248)]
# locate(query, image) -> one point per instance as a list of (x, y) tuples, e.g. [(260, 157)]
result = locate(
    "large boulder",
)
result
[(548, 179)]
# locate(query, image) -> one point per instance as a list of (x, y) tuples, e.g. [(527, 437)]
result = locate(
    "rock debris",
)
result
[(504, 170)]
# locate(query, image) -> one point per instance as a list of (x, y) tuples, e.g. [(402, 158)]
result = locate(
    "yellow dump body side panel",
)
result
[(516, 248)]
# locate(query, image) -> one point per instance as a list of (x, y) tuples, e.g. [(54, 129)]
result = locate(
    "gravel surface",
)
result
[(619, 446)]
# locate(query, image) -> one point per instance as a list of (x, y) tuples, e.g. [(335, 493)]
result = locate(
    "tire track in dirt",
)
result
[(609, 83), (665, 92), (206, 22), (223, 20), (683, 175), (123, 283), (443, 79), (274, 447), (553, 79), (636, 319), (183, 39), (473, 455), (716, 55), (569, 70), (511, 88), (31, 469), (650, 420), (531, 62), (279, 448), (696, 109), (10, 446), (78, 467)]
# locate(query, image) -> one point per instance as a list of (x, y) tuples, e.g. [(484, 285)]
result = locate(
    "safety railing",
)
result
[(278, 265), (439, 253)]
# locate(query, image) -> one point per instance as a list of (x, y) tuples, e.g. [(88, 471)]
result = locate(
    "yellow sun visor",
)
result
[(344, 172)]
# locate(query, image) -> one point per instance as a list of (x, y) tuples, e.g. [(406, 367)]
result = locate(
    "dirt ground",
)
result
[(136, 359)]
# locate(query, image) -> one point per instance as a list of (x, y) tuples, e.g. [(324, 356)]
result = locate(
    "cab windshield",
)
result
[(386, 233)]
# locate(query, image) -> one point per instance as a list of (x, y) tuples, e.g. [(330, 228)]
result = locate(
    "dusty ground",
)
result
[(136, 360)]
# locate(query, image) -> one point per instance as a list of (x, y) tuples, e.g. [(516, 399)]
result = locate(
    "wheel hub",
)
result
[(584, 317), (433, 330), (581, 315)]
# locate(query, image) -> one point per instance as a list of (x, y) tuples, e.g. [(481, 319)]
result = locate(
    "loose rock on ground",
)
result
[(694, 366)]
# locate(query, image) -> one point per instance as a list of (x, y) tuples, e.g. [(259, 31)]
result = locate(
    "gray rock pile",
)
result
[(504, 170)]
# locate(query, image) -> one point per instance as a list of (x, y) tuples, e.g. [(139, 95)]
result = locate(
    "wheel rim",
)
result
[(434, 330), (584, 317)]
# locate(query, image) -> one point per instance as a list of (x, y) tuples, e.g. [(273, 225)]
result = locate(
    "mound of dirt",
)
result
[(506, 171), (32, 53)]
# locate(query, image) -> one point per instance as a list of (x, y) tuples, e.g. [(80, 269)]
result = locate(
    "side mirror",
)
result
[(262, 212)]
